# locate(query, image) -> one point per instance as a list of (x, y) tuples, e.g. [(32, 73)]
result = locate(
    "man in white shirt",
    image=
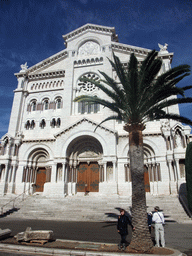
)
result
[(158, 219)]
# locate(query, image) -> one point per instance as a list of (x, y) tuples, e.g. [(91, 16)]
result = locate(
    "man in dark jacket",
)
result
[(122, 223)]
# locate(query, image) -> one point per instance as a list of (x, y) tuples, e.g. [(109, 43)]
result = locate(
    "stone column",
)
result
[(53, 173), (177, 169), (105, 171), (63, 171), (6, 178), (114, 171), (64, 175), (172, 187)]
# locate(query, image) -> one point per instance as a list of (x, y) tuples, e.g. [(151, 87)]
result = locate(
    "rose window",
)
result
[(88, 86)]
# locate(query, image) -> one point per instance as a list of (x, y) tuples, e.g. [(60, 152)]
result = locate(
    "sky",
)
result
[(31, 31)]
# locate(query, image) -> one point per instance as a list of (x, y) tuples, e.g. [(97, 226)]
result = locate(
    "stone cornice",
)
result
[(38, 140), (50, 74), (81, 121), (138, 50), (44, 64), (93, 28), (129, 48), (144, 134)]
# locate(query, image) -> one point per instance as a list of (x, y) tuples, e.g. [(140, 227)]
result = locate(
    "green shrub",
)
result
[(188, 171)]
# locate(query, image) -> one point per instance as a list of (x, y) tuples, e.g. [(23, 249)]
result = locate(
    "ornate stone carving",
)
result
[(88, 86), (165, 125), (163, 48), (89, 48), (23, 67)]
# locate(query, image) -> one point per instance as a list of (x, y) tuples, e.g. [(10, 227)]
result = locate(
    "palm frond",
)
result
[(108, 119), (93, 99), (175, 117)]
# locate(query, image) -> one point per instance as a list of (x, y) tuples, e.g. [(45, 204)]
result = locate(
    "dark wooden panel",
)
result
[(88, 177), (40, 179), (146, 180)]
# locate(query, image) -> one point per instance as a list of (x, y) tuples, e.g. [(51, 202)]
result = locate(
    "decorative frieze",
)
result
[(52, 74), (88, 62), (129, 49), (94, 28), (53, 84)]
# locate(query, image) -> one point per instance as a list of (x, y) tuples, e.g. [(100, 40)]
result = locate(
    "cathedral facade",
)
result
[(52, 147)]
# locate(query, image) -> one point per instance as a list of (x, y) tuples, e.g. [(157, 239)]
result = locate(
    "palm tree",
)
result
[(141, 96)]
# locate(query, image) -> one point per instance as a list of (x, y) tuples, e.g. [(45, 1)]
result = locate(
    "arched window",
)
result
[(27, 125), (42, 123), (53, 123), (58, 122), (33, 105), (46, 104), (32, 124), (58, 103)]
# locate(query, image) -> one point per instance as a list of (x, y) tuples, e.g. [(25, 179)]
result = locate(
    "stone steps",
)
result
[(92, 208)]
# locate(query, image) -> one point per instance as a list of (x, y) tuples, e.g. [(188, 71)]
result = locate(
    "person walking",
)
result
[(158, 219), (122, 228)]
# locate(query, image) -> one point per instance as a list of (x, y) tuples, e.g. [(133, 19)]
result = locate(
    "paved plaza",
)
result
[(178, 236)]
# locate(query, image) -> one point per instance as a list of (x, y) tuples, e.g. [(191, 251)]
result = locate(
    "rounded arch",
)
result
[(149, 148), (81, 134), (86, 39), (32, 99), (27, 154), (38, 157), (84, 148), (149, 153)]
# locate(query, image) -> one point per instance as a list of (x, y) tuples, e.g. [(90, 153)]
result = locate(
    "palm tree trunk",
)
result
[(141, 237)]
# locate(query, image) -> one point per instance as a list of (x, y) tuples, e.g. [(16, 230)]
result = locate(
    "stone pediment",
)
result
[(80, 122), (138, 51), (93, 28), (38, 71)]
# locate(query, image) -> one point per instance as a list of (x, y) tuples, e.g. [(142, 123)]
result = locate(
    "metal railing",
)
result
[(13, 200)]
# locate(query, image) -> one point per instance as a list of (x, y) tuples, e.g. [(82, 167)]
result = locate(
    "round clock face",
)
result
[(88, 86)]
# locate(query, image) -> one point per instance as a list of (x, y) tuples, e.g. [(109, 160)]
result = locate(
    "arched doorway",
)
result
[(37, 171), (84, 154)]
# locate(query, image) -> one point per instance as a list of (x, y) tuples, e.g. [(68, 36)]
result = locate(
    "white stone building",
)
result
[(51, 146)]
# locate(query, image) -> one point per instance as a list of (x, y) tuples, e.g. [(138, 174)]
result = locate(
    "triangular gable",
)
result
[(94, 28), (82, 121), (138, 51), (44, 64)]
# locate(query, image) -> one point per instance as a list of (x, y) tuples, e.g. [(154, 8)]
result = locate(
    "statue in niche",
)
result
[(89, 48), (178, 139)]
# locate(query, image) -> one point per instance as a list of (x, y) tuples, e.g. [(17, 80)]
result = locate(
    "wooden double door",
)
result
[(40, 179), (88, 177)]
